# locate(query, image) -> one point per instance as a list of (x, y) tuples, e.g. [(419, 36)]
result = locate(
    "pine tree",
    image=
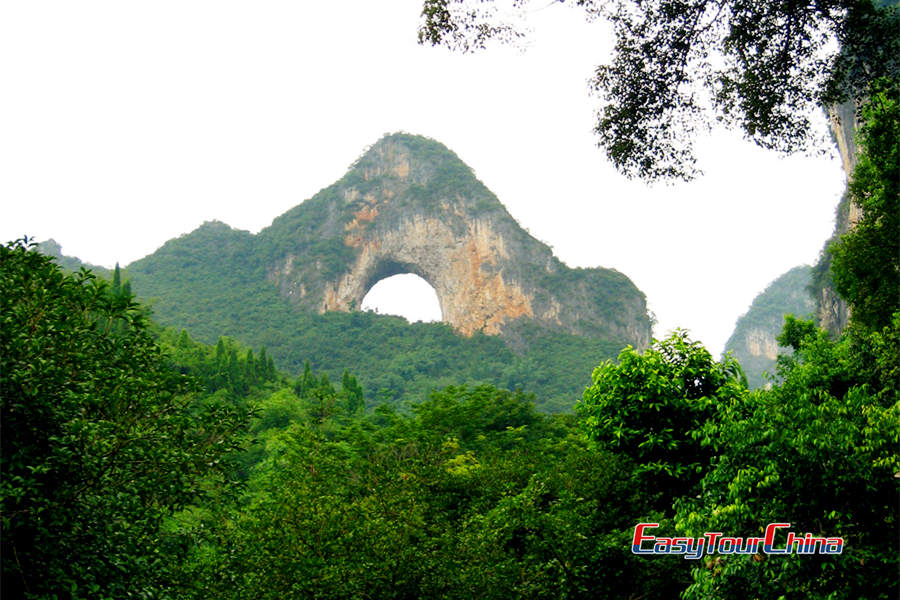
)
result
[(352, 392), (324, 396), (184, 340), (307, 382), (262, 365), (325, 385), (117, 281), (250, 375), (233, 371), (220, 353)]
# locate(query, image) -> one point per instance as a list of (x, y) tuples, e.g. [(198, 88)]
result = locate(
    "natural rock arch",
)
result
[(406, 295), (461, 267), (410, 205)]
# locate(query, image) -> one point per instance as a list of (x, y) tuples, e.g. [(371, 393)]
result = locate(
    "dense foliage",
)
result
[(211, 283), (819, 451), (128, 469), (649, 406), (762, 66), (102, 440), (475, 495), (138, 462)]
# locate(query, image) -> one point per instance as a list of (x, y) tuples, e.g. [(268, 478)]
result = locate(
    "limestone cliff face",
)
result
[(761, 343), (832, 312), (473, 297), (842, 120), (410, 205)]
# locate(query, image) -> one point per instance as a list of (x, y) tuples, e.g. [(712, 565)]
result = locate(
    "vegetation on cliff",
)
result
[(866, 261), (754, 339)]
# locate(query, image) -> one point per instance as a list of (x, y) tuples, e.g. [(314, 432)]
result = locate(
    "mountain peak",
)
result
[(410, 205), (50, 247), (413, 159)]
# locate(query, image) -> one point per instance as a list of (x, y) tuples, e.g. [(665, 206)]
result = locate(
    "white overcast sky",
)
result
[(124, 124)]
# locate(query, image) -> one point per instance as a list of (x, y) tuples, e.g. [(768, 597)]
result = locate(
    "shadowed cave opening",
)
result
[(405, 295)]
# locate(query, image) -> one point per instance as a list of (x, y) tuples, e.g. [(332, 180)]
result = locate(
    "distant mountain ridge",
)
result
[(70, 263), (753, 341)]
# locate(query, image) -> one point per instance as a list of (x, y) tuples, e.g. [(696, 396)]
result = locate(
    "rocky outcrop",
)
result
[(761, 343), (843, 124), (410, 205), (753, 341), (462, 269), (832, 312)]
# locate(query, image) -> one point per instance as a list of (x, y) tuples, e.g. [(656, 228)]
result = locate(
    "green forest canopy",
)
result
[(136, 460)]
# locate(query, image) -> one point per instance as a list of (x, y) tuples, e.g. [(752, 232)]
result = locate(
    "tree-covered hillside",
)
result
[(207, 283), (753, 341), (140, 462)]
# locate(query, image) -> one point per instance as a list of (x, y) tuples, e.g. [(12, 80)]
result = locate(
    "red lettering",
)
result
[(639, 537)]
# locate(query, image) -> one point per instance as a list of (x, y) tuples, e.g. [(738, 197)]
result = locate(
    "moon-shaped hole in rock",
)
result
[(405, 295)]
